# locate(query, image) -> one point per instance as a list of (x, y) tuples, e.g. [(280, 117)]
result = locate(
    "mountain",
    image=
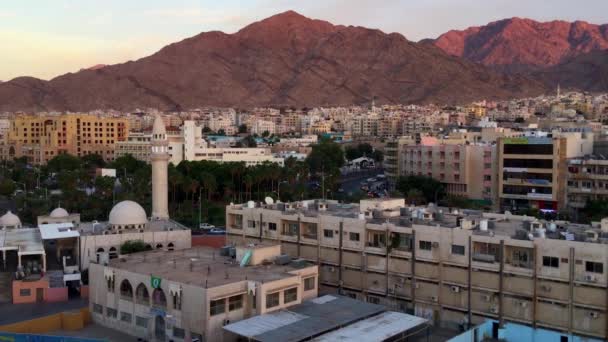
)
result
[(286, 59), (588, 71), (522, 44)]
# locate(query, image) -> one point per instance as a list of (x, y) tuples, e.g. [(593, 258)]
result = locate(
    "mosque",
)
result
[(54, 254)]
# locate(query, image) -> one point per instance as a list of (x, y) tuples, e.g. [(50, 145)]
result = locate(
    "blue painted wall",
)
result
[(512, 332)]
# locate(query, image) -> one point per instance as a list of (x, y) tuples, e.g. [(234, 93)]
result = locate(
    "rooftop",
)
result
[(305, 321), (382, 211), (202, 266), (98, 228), (23, 240)]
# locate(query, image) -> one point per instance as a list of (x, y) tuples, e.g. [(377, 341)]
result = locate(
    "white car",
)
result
[(206, 226)]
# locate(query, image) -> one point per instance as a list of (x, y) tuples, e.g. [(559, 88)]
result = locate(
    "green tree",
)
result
[(326, 156), (7, 187), (431, 189), (242, 129), (64, 162)]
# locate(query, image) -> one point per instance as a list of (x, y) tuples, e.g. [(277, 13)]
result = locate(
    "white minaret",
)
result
[(160, 160)]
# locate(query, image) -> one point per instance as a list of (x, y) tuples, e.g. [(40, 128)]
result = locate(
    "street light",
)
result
[(279, 190)]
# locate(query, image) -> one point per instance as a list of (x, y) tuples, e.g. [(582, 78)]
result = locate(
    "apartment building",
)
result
[(393, 160), (533, 169), (466, 170), (587, 181), (193, 293), (138, 145), (453, 267), (39, 138)]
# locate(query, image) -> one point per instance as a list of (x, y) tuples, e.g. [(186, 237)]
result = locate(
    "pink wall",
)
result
[(19, 285), (56, 294)]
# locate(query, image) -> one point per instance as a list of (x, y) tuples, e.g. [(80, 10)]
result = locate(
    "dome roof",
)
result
[(59, 213), (10, 219), (127, 212)]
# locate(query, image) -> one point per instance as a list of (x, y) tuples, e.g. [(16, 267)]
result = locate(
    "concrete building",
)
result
[(139, 146), (42, 137), (587, 181), (451, 267), (533, 169), (191, 294), (466, 170)]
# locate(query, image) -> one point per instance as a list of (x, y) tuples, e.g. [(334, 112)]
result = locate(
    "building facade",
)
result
[(39, 138), (453, 268)]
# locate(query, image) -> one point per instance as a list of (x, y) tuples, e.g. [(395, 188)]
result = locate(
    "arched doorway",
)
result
[(159, 328)]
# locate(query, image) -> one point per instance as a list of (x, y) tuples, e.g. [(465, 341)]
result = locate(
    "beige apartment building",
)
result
[(466, 170), (39, 138), (533, 169), (193, 293), (587, 181), (454, 268)]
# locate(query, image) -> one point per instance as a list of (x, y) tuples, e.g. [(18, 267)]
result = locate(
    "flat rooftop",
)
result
[(98, 228), (305, 321), (202, 266), (514, 226), (23, 240)]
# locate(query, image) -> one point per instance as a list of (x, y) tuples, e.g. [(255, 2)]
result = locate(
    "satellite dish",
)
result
[(269, 200), (250, 204)]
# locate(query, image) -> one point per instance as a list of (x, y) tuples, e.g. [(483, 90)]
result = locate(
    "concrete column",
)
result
[(19, 259), (4, 258), (43, 257)]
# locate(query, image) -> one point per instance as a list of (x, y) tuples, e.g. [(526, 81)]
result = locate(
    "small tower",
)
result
[(558, 91), (160, 161)]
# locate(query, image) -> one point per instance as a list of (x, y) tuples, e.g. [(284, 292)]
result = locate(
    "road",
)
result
[(352, 184)]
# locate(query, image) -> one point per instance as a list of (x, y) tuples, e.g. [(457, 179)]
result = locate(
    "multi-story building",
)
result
[(466, 170), (587, 181), (533, 169), (453, 267), (39, 138), (138, 145), (393, 160), (192, 294)]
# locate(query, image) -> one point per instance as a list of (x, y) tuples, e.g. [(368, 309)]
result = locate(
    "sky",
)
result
[(47, 38)]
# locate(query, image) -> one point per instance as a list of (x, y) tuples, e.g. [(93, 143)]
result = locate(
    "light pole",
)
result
[(279, 190), (200, 191)]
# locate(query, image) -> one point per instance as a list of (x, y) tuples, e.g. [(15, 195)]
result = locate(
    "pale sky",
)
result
[(47, 38)]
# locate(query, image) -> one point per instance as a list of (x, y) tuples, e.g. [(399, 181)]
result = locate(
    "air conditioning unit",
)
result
[(546, 288), (416, 286), (435, 244), (494, 309), (593, 314), (226, 322), (455, 289), (523, 304), (487, 298), (434, 299), (391, 290), (331, 269)]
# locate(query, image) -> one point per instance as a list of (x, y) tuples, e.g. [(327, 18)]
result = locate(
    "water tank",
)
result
[(251, 204), (483, 225), (552, 226), (361, 216), (541, 232), (282, 259)]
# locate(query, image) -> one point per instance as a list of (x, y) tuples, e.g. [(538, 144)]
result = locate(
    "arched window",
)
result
[(141, 294), (159, 246), (170, 246), (100, 250), (159, 299), (113, 253), (98, 254), (126, 291)]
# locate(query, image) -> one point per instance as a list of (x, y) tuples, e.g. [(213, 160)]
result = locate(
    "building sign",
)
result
[(155, 282)]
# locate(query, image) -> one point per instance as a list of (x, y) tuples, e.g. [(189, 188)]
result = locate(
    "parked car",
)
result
[(206, 226), (216, 231)]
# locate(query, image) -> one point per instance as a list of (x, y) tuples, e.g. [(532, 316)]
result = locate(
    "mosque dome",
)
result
[(59, 213), (127, 213), (10, 220)]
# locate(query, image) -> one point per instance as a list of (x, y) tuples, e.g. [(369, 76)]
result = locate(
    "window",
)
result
[(373, 300), (290, 295), (272, 226), (310, 283), (549, 261), (126, 317), (594, 267), (272, 300), (25, 292), (328, 233), (141, 321), (217, 307), (251, 224), (458, 249), (97, 308), (179, 332), (354, 236), (425, 245), (126, 291), (235, 302), (112, 313)]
